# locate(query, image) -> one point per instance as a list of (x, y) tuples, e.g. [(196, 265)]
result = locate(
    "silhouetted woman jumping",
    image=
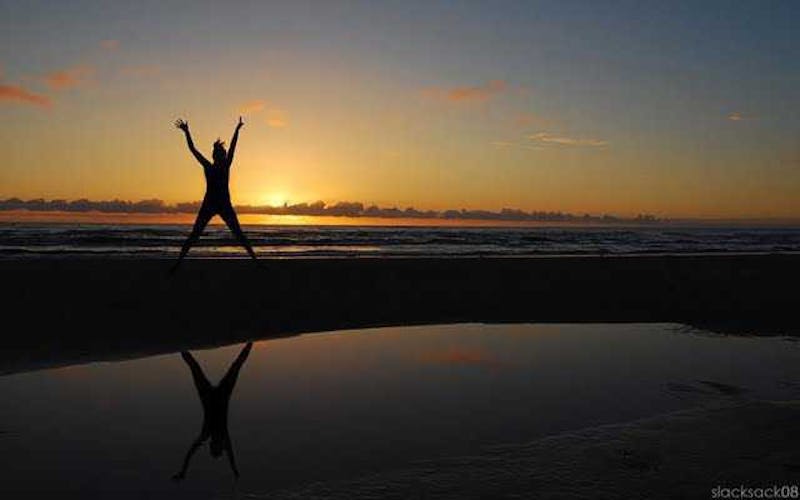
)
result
[(215, 401), (217, 200)]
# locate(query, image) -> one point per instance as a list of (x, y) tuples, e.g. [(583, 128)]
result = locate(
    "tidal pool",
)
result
[(342, 404)]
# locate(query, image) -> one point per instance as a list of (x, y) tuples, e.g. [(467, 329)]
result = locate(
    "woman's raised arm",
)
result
[(184, 125), (234, 140)]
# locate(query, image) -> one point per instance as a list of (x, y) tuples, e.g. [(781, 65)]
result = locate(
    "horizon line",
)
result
[(345, 209), (315, 209)]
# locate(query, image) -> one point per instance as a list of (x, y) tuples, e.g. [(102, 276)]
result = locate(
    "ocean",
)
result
[(18, 240)]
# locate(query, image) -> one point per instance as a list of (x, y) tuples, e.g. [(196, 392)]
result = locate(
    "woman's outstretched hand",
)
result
[(240, 124), (183, 124)]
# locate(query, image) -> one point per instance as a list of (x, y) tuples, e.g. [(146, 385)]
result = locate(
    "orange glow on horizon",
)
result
[(24, 216)]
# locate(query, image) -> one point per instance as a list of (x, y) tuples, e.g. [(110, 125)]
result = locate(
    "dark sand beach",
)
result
[(72, 310)]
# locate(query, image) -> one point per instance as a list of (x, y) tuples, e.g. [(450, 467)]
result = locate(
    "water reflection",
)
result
[(215, 401), (356, 403)]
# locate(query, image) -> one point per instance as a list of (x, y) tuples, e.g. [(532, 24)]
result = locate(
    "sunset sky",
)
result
[(672, 108)]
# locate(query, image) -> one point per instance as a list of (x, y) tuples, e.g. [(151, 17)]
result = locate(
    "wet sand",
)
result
[(72, 310), (685, 454)]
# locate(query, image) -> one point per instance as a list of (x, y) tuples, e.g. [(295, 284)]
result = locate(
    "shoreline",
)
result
[(167, 260), (23, 216), (94, 309)]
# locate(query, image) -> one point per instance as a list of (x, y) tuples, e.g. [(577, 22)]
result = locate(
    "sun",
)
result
[(275, 199)]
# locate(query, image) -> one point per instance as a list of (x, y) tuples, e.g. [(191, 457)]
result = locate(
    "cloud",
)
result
[(737, 116), (14, 93), (109, 44), (69, 77), (252, 107), (548, 139), (480, 93), (317, 208), (273, 116), (276, 118), (56, 80)]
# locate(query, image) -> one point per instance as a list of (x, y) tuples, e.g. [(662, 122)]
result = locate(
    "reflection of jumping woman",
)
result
[(217, 200), (215, 400)]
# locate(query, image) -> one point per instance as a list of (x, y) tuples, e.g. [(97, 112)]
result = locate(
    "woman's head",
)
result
[(219, 155)]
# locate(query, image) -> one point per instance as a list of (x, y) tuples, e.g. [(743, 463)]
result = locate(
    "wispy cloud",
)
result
[(252, 107), (276, 118), (69, 77), (548, 139), (109, 44), (738, 116), (14, 93), (479, 93), (273, 116)]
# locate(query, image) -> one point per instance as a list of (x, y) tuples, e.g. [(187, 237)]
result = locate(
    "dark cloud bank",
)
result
[(319, 208)]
